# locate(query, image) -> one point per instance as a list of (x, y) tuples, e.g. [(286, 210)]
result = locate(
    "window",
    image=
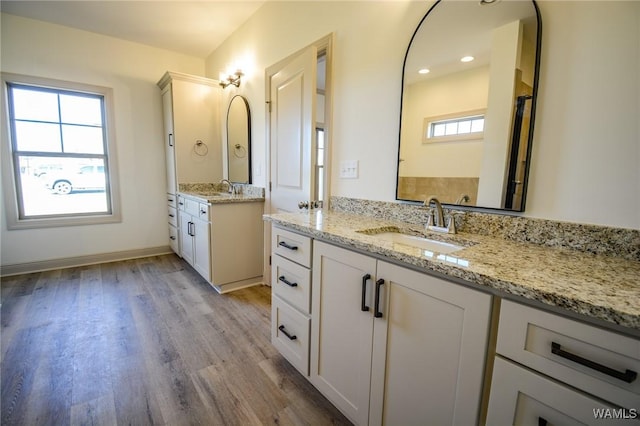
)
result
[(319, 189), (454, 127), (60, 155)]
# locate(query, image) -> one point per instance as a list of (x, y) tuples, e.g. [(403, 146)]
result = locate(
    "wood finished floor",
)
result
[(145, 342)]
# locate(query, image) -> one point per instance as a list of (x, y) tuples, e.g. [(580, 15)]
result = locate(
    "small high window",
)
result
[(450, 128), (60, 154)]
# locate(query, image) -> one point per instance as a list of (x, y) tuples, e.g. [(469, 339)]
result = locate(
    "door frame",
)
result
[(324, 46)]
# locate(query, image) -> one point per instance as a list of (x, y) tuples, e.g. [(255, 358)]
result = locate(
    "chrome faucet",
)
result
[(232, 188), (437, 223)]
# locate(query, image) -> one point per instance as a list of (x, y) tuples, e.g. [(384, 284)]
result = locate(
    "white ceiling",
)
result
[(195, 28)]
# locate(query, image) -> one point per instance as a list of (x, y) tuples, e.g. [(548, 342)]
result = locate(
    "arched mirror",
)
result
[(468, 100), (239, 140)]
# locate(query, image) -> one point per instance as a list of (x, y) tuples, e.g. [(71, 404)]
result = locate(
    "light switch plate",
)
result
[(349, 169)]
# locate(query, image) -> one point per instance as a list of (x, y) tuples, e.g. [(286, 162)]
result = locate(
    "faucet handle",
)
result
[(451, 226), (429, 219)]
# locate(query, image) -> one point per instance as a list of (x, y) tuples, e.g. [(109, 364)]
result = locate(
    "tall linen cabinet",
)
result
[(192, 137)]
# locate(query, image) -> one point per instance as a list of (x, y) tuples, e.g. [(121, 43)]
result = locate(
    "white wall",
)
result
[(132, 70), (586, 149)]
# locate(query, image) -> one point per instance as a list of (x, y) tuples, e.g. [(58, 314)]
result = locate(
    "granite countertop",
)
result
[(221, 197), (602, 287), (218, 193)]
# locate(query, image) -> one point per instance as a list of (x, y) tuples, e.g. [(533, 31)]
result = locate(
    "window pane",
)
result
[(43, 137), (320, 138), (82, 139), (477, 125), (81, 110), (464, 127), (452, 128), (60, 186), (320, 184), (34, 105), (438, 129)]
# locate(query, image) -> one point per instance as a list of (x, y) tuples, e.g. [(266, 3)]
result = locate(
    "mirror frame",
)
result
[(229, 147), (531, 124)]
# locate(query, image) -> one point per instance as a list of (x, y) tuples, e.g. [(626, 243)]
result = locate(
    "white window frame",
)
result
[(459, 116), (9, 183)]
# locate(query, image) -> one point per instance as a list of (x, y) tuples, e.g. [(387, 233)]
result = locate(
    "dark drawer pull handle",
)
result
[(378, 314), (285, 245), (171, 215), (281, 328), (363, 306), (628, 376), (542, 422), (287, 282)]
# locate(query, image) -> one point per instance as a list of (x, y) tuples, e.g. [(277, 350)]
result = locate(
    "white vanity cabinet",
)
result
[(195, 232), (554, 370), (393, 346), (192, 137), (236, 245)]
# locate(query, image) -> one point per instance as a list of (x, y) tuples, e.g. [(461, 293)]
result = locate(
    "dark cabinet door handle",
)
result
[(363, 306), (377, 313), (291, 337), (287, 282), (628, 376), (287, 246), (542, 422)]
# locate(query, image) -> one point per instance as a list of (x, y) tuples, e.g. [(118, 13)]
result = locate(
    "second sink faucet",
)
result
[(437, 223), (232, 188)]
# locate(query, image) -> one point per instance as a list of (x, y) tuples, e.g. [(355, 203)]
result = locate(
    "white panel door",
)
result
[(292, 124)]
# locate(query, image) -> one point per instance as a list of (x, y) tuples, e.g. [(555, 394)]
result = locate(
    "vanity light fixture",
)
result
[(232, 79), (467, 59), (423, 71)]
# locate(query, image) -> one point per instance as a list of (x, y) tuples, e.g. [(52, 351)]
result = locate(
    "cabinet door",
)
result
[(201, 249), (169, 140), (429, 350), (186, 240), (341, 332)]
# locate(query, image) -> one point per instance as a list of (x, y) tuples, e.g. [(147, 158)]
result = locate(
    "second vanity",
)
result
[(220, 234), (454, 329)]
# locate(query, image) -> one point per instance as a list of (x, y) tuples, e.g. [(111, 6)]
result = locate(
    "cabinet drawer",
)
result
[(600, 362), (172, 200), (290, 334), (180, 202), (203, 211), (292, 246), (292, 283), (173, 239), (522, 397), (173, 216), (195, 208)]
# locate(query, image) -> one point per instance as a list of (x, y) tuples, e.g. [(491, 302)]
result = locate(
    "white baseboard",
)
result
[(68, 262)]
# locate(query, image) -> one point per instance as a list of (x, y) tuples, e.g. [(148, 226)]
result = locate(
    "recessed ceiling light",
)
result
[(423, 71), (467, 59)]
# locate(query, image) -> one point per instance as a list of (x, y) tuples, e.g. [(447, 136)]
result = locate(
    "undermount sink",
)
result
[(213, 194), (396, 236), (420, 242)]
